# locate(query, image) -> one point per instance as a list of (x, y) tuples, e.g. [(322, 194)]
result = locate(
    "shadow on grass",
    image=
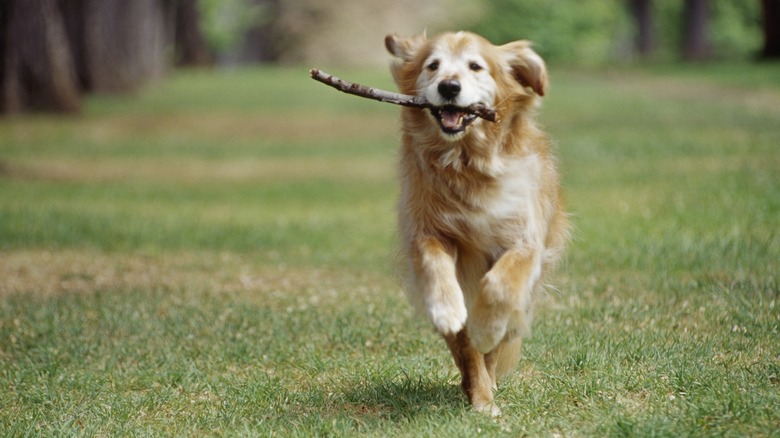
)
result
[(403, 397)]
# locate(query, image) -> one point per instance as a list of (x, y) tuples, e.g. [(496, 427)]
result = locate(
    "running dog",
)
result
[(480, 214)]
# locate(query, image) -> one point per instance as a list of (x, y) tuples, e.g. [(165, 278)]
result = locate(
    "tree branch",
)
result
[(478, 109)]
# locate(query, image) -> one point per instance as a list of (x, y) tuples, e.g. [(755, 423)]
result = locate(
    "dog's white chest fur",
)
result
[(505, 214)]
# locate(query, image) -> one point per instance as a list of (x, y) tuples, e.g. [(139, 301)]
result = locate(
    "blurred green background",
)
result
[(56, 51)]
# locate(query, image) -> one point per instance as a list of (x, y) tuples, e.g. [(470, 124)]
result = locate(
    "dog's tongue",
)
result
[(451, 119)]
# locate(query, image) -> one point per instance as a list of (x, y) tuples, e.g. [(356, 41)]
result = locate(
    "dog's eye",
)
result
[(475, 67), (433, 66)]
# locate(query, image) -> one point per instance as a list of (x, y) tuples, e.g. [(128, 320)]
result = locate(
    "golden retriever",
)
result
[(480, 215)]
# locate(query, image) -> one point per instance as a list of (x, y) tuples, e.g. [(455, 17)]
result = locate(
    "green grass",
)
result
[(216, 256)]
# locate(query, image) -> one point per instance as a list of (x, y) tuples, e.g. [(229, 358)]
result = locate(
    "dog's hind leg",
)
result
[(503, 359), (477, 373)]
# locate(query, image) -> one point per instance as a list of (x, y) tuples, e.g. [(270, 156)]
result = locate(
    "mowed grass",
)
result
[(217, 256)]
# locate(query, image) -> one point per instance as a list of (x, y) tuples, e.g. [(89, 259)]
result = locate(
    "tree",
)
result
[(36, 68), (124, 43), (259, 42), (191, 47), (771, 27), (52, 51), (696, 32), (642, 13)]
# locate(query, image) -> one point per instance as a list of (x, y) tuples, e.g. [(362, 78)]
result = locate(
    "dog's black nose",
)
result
[(449, 88)]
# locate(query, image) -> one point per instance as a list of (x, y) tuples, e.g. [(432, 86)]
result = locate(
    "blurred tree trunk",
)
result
[(72, 12), (642, 12), (259, 42), (123, 43), (36, 68), (53, 50), (771, 24), (191, 47), (696, 32)]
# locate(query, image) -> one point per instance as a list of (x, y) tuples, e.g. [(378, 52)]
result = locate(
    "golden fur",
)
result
[(480, 216)]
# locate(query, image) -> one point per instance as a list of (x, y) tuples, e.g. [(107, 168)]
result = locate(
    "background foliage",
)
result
[(584, 31), (226, 21), (598, 31), (572, 31)]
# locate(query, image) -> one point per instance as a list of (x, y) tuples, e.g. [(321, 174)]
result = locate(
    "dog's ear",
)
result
[(404, 48), (527, 66)]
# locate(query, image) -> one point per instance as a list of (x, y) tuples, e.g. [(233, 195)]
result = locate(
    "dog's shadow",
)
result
[(402, 397)]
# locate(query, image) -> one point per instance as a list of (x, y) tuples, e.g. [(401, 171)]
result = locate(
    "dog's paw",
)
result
[(489, 409), (448, 317)]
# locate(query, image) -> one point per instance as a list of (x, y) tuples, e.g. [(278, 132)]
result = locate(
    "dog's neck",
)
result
[(468, 156)]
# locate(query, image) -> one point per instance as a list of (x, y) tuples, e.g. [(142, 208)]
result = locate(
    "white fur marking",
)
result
[(448, 318), (476, 86), (514, 199)]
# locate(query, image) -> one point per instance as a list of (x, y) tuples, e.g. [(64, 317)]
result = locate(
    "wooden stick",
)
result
[(478, 109)]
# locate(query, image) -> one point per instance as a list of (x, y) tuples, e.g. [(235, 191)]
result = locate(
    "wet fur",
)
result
[(480, 215)]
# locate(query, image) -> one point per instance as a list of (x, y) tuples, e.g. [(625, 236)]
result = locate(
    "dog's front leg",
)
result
[(437, 283), (503, 303)]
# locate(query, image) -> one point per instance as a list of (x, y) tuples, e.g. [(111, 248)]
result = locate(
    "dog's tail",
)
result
[(508, 356)]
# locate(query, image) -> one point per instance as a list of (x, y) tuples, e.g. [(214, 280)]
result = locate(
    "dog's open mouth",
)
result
[(452, 119)]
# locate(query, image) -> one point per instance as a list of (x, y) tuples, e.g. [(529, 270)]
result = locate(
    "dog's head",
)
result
[(455, 70)]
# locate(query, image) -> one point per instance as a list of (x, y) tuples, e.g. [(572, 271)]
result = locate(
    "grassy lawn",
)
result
[(216, 256)]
